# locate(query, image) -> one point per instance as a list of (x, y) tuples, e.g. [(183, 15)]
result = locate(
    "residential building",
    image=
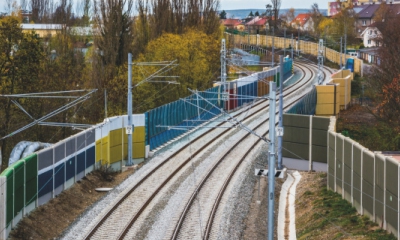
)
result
[(231, 23), (42, 30), (50, 30), (365, 18), (303, 21), (371, 36), (370, 55), (335, 7), (257, 25)]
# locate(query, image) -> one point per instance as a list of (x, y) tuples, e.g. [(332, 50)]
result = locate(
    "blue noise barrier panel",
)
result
[(59, 175), (45, 182), (80, 162), (90, 156), (70, 168), (183, 114)]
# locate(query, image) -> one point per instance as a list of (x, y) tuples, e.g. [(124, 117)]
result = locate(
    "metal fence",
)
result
[(301, 46), (368, 180)]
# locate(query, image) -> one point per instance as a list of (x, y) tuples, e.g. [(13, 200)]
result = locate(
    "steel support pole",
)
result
[(340, 55), (298, 41), (292, 46), (271, 161), (280, 124), (129, 162), (345, 49), (284, 42), (273, 50), (105, 103)]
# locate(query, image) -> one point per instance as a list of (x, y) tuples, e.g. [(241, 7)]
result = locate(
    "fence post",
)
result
[(361, 185), (310, 146), (3, 208), (352, 173)]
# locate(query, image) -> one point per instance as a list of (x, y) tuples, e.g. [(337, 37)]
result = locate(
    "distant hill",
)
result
[(242, 13)]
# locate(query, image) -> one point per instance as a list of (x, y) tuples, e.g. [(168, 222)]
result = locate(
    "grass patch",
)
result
[(329, 214)]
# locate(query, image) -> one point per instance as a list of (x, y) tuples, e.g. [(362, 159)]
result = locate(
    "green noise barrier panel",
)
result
[(31, 178), (19, 186), (9, 174)]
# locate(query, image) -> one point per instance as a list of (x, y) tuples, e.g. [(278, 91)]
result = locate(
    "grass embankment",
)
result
[(360, 124), (325, 215)]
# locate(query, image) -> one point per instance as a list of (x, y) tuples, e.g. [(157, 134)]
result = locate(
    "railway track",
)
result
[(116, 223), (187, 224)]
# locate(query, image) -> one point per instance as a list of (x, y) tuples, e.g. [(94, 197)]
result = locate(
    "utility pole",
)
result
[(298, 40), (325, 42), (340, 61), (129, 133), (266, 35), (105, 103), (280, 124), (345, 43), (248, 35), (273, 50), (345, 49), (271, 161), (320, 59), (284, 41), (292, 47), (223, 65)]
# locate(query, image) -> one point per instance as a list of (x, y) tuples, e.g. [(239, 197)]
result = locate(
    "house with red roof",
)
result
[(257, 25), (303, 21), (231, 23)]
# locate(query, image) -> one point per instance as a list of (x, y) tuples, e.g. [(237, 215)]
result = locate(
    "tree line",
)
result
[(160, 30)]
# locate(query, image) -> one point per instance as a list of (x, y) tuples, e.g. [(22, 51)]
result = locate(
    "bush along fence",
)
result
[(299, 46)]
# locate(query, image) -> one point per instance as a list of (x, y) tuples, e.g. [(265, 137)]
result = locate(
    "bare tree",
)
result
[(384, 79), (316, 17), (276, 5), (41, 10), (288, 16), (114, 25)]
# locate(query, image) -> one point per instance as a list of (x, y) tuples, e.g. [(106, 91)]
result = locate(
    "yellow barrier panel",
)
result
[(328, 100), (98, 150), (105, 149), (116, 145), (304, 47), (139, 135), (138, 150)]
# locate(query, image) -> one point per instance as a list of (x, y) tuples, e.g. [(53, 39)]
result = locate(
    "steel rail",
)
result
[(135, 217)]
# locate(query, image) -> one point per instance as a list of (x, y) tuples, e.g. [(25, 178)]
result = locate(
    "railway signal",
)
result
[(264, 172)]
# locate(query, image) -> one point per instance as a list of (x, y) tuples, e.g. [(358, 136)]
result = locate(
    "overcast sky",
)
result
[(246, 4), (260, 4)]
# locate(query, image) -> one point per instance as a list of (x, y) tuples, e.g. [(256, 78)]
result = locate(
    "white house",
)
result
[(371, 36), (304, 22)]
